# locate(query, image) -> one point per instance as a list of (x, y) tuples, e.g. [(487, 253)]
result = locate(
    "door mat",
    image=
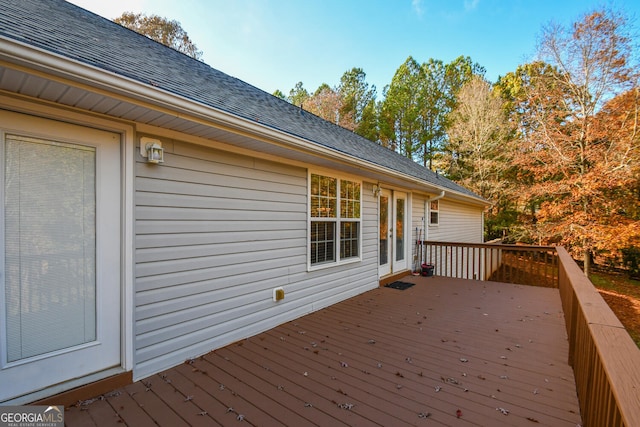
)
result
[(399, 285)]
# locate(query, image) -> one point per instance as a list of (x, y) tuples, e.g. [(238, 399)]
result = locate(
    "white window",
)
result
[(434, 213), (335, 211)]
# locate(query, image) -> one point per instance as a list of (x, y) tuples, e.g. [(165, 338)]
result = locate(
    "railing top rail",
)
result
[(491, 245)]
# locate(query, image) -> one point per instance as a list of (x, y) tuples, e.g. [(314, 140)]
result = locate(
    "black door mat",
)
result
[(399, 285)]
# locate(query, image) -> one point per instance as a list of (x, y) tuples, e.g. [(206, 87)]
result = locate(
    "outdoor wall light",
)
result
[(376, 190), (152, 150)]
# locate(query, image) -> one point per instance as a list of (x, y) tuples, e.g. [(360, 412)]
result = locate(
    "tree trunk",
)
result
[(587, 262)]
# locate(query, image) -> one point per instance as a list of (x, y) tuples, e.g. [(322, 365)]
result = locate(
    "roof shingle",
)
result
[(74, 33)]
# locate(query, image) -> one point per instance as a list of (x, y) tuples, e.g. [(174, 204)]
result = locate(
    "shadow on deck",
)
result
[(445, 351)]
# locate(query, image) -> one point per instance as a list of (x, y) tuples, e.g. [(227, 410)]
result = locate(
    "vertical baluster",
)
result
[(465, 268), (498, 266), (473, 263), (513, 258), (456, 260)]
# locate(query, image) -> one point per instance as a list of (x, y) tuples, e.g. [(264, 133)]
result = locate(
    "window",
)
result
[(434, 209), (334, 219)]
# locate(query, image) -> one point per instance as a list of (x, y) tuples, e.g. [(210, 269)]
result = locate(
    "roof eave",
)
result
[(115, 85)]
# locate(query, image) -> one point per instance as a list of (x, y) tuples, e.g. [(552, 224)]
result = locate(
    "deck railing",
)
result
[(527, 265), (605, 360)]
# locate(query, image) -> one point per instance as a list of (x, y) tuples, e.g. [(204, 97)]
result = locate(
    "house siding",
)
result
[(215, 233), (458, 222)]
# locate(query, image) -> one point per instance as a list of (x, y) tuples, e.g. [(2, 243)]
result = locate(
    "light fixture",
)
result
[(152, 150), (376, 190)]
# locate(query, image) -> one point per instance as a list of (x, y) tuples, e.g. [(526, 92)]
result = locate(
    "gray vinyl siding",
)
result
[(457, 223), (216, 232), (417, 230)]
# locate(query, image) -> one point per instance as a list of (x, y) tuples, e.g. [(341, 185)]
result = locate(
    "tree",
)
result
[(458, 72), (523, 96), (477, 151), (278, 94), (434, 108), (326, 103), (399, 127), (357, 103), (368, 126), (168, 32), (351, 104), (413, 115), (616, 173), (298, 95), (561, 151)]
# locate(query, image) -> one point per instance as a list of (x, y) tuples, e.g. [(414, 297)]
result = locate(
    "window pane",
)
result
[(349, 199), (434, 218), (349, 246), (399, 249), (331, 208), (322, 242), (384, 230), (323, 196)]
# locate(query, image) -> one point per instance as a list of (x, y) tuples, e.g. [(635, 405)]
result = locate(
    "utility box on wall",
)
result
[(278, 294)]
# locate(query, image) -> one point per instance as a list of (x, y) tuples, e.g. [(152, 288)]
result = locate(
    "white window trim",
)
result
[(337, 220)]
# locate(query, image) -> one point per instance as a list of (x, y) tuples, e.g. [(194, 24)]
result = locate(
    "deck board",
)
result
[(386, 357), (295, 397)]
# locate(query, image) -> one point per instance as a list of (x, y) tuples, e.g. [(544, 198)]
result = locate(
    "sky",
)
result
[(274, 44)]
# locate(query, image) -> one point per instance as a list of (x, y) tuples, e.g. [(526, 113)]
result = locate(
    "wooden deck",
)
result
[(443, 352)]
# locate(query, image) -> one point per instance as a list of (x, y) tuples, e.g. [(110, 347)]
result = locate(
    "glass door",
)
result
[(400, 241), (386, 231), (392, 210)]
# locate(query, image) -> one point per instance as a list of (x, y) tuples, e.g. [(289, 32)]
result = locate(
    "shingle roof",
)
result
[(72, 32)]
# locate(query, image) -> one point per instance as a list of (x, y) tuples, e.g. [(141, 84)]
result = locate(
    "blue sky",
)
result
[(273, 44)]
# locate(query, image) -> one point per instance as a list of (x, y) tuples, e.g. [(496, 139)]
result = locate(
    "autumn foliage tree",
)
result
[(166, 31), (571, 154), (616, 174), (326, 103)]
